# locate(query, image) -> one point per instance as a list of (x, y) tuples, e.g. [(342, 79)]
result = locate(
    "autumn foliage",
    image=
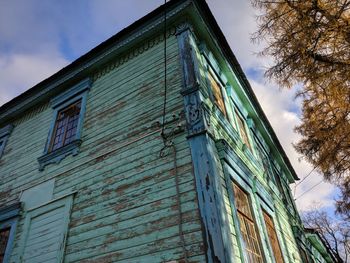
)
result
[(309, 41)]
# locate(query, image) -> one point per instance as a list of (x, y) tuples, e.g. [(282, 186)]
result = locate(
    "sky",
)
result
[(38, 38)]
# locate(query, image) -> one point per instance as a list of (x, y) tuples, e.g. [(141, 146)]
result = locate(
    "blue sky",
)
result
[(37, 38)]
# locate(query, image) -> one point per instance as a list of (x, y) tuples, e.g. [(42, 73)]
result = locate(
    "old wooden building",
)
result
[(125, 157)]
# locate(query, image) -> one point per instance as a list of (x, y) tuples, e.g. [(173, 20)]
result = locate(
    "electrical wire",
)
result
[(297, 184), (170, 144), (165, 68), (302, 180), (309, 190)]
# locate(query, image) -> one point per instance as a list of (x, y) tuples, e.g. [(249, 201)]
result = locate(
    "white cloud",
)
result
[(276, 105), (19, 72)]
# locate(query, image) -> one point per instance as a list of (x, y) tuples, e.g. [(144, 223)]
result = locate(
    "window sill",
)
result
[(58, 155)]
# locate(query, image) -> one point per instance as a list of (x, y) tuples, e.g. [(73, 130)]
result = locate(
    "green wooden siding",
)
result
[(125, 206), (225, 128)]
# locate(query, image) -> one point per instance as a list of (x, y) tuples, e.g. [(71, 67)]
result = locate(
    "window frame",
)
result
[(4, 135), (9, 219), (58, 103), (55, 128), (233, 172), (239, 117), (253, 220), (265, 212), (212, 74)]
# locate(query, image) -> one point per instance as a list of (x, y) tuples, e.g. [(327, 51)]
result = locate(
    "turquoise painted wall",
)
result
[(125, 202)]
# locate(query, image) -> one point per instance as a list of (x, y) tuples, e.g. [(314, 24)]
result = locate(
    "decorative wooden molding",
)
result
[(132, 54), (58, 155), (206, 164)]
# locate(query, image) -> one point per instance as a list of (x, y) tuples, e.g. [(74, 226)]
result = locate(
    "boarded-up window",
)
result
[(65, 126), (45, 230), (4, 237), (271, 231), (217, 93), (243, 130), (247, 226)]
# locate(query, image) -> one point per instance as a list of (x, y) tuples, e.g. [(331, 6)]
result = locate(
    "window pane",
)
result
[(66, 126), (4, 236), (217, 93), (247, 226), (271, 231)]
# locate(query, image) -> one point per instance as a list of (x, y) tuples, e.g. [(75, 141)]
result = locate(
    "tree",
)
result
[(335, 234), (309, 41)]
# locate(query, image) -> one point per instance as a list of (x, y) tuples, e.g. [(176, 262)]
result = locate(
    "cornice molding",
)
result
[(132, 54)]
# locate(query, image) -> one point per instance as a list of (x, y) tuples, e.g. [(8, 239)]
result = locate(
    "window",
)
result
[(247, 226), (65, 126), (243, 130), (4, 237), (8, 223), (65, 133), (271, 232), (4, 134), (217, 93)]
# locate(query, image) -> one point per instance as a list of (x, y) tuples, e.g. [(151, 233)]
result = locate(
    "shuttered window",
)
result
[(65, 126), (217, 93), (4, 237), (247, 226), (45, 232), (271, 231)]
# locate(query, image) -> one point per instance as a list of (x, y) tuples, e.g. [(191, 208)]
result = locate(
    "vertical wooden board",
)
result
[(44, 232)]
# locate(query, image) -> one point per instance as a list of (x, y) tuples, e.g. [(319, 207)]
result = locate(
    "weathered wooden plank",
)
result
[(128, 230), (112, 172), (157, 241), (108, 217)]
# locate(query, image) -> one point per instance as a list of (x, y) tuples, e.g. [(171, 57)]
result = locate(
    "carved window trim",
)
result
[(77, 93), (4, 135)]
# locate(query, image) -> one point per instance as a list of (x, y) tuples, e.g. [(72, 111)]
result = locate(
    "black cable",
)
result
[(309, 190), (165, 70), (169, 143)]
